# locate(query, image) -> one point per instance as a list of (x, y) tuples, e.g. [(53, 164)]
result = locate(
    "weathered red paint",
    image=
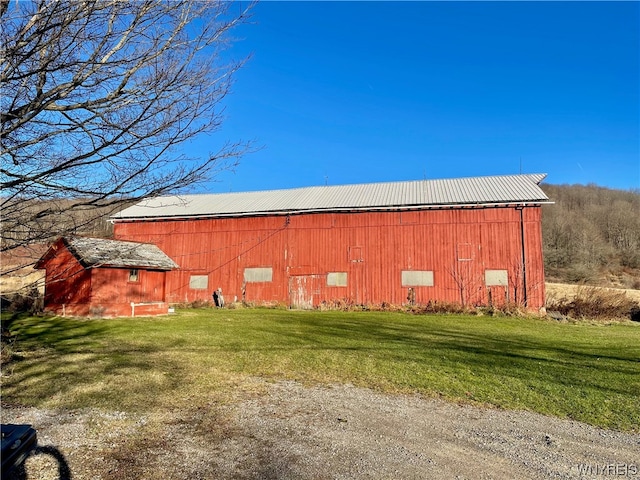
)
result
[(373, 248), (73, 290)]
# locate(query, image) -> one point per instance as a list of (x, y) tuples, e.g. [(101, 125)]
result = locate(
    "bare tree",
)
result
[(466, 282), (98, 97), (516, 281), (592, 234)]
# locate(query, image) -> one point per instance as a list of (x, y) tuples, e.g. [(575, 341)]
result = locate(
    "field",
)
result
[(258, 393), (555, 291), (589, 373)]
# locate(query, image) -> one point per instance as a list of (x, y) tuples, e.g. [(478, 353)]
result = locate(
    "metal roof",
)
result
[(97, 252), (493, 190)]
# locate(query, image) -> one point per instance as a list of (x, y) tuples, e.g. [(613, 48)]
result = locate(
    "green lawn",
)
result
[(198, 357)]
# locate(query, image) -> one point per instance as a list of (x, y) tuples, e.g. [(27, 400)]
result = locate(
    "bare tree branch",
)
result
[(98, 96)]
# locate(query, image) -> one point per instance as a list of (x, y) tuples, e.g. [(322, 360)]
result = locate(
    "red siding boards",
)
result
[(72, 289), (61, 268), (308, 255)]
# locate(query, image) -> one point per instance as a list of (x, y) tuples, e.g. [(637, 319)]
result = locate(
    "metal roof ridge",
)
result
[(369, 184), (532, 176), (466, 190)]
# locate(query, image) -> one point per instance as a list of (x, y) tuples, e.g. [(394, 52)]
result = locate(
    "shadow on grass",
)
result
[(133, 364), (498, 348), (80, 363), (536, 358)]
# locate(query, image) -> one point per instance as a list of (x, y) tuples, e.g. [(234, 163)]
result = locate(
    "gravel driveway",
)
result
[(288, 431)]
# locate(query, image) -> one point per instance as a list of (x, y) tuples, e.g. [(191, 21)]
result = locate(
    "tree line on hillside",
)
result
[(591, 235)]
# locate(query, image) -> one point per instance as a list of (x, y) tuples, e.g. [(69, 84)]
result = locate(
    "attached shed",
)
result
[(105, 278), (474, 241)]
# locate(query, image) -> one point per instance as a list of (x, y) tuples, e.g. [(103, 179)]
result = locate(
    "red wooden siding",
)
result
[(63, 269), (72, 290), (372, 248), (113, 293)]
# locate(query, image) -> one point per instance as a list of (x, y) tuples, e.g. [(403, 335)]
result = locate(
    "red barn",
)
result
[(473, 241), (105, 278)]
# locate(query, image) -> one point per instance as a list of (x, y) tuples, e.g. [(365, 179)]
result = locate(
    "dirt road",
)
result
[(288, 431)]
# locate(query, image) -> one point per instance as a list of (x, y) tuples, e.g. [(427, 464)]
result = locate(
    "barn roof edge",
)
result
[(502, 190)]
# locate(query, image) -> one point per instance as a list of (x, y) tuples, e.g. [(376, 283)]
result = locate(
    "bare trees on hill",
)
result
[(591, 232), (97, 96)]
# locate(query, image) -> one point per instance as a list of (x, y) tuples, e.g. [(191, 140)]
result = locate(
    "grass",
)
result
[(196, 358)]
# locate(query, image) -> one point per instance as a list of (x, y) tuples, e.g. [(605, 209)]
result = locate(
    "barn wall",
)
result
[(357, 257)]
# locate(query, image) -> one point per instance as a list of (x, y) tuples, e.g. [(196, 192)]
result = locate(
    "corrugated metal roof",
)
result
[(391, 195), (93, 252)]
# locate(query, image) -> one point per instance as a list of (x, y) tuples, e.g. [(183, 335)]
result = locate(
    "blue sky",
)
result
[(358, 92)]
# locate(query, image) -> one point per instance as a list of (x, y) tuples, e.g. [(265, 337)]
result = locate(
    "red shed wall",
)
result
[(112, 285), (72, 290), (66, 280), (372, 248), (112, 292)]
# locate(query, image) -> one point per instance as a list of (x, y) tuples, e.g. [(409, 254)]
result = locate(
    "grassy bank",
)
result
[(199, 357)]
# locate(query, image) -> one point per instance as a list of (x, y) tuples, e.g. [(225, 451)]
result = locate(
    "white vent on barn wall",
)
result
[(337, 279), (199, 282), (417, 278), (496, 278), (258, 274)]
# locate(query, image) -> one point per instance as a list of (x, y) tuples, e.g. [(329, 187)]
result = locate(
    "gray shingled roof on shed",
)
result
[(97, 252), (505, 189)]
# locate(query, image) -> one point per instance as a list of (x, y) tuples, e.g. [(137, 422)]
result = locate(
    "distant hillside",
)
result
[(591, 235)]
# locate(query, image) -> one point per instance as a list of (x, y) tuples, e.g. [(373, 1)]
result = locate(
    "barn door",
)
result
[(305, 290)]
